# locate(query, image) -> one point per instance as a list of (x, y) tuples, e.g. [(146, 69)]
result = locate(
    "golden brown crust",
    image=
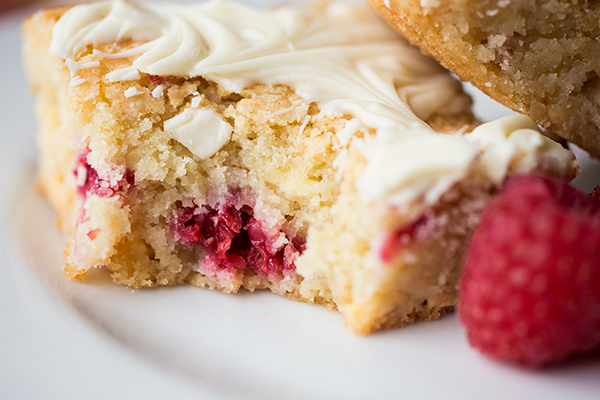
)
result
[(71, 270), (54, 181), (538, 58)]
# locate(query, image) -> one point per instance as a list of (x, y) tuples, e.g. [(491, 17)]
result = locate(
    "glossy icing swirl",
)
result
[(338, 55)]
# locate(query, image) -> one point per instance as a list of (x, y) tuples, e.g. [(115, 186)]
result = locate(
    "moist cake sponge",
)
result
[(291, 154), (538, 57)]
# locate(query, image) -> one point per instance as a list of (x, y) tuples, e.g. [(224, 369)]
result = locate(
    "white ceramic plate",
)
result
[(65, 339)]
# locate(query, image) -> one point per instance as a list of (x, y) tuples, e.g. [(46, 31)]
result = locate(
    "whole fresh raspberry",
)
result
[(530, 291)]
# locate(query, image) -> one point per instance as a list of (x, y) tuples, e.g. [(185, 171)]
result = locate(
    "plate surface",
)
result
[(65, 339)]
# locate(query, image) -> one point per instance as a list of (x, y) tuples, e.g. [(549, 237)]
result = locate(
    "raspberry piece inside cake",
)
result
[(234, 240), (89, 183)]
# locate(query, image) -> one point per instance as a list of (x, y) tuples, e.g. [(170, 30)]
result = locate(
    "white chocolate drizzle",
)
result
[(125, 74), (76, 81), (75, 67)]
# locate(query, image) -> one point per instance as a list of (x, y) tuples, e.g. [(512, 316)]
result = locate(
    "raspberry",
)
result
[(234, 239), (530, 291)]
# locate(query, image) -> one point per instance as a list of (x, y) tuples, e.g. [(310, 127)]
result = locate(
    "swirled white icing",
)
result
[(423, 167), (339, 55)]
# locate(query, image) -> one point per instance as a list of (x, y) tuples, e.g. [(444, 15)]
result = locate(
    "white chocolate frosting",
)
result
[(340, 56), (410, 167)]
